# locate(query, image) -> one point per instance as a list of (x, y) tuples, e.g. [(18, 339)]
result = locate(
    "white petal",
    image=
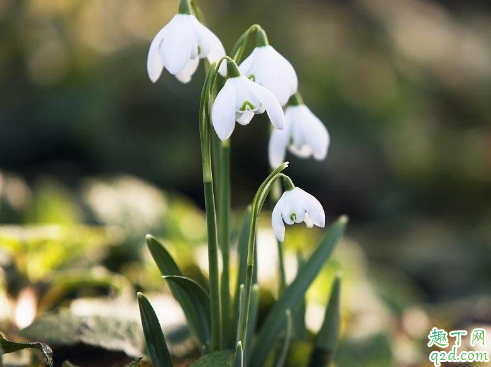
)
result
[(277, 146), (307, 221), (303, 152), (315, 134), (274, 72), (185, 75), (245, 98), (223, 111), (293, 210), (203, 36), (245, 118), (245, 66), (297, 119), (154, 60), (314, 208), (176, 47), (277, 222), (270, 103), (217, 51)]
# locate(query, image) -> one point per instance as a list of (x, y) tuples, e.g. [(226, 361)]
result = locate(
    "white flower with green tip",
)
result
[(268, 67), (239, 100), (304, 135), (296, 206), (179, 46)]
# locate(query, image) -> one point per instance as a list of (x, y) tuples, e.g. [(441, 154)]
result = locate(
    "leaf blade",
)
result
[(154, 337), (326, 339), (200, 301), (168, 267)]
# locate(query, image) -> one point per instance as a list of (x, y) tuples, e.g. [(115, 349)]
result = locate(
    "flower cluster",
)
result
[(264, 81)]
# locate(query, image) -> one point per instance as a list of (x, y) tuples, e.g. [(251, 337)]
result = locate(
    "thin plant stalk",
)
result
[(211, 221), (275, 196), (224, 232), (257, 204)]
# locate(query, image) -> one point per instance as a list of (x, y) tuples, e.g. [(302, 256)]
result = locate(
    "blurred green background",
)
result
[(404, 88)]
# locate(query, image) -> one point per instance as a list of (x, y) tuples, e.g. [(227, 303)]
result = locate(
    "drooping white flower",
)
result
[(179, 46), (304, 134), (296, 206), (239, 100), (267, 67)]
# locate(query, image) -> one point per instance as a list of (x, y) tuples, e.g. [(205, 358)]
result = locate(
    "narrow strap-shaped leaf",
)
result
[(168, 266), (239, 356), (326, 339), (154, 337), (294, 293), (299, 327), (200, 301), (239, 317), (242, 251), (7, 346), (286, 340), (251, 325)]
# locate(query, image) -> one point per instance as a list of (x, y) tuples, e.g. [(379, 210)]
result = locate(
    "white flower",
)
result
[(304, 134), (179, 46), (296, 206), (268, 68), (239, 99)]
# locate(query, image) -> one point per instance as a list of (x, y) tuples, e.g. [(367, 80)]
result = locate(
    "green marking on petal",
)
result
[(247, 105), (252, 77), (293, 217), (199, 50)]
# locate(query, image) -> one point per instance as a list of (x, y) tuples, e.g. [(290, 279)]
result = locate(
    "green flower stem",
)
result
[(224, 232), (240, 45), (275, 196), (281, 268), (198, 13), (257, 204), (211, 222)]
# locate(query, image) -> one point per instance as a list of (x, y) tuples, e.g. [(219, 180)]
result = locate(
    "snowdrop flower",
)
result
[(239, 100), (180, 44), (304, 134), (268, 68), (296, 206)]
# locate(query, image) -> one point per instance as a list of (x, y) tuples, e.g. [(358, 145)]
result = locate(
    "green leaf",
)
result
[(286, 340), (327, 337), (200, 302), (251, 325), (156, 345), (8, 346), (239, 356), (134, 363), (168, 266), (299, 327), (295, 292), (242, 250), (224, 358)]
